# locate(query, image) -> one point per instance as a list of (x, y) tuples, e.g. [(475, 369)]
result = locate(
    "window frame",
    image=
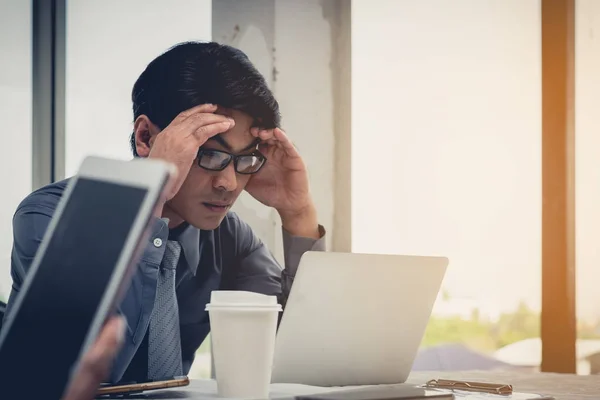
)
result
[(48, 91)]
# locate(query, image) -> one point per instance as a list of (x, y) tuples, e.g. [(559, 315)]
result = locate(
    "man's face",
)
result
[(206, 196)]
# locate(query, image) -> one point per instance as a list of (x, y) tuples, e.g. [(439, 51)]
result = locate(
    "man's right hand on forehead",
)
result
[(179, 142)]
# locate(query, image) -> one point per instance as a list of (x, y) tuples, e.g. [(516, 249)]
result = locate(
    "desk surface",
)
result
[(562, 387)]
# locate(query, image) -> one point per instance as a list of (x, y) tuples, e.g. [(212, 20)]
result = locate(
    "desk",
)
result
[(562, 387)]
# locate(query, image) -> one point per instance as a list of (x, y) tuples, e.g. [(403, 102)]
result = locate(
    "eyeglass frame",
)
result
[(234, 158)]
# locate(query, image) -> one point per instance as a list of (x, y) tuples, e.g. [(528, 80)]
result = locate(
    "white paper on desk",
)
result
[(466, 395), (293, 389), (207, 389)]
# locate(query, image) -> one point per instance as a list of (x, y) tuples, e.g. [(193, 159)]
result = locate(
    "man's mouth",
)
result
[(217, 206)]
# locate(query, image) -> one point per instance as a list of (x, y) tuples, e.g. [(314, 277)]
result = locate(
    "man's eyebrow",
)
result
[(219, 139)]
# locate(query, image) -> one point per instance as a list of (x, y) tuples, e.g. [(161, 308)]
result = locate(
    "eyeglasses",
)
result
[(217, 160)]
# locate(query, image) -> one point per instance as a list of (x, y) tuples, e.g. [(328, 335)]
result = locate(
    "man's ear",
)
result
[(145, 132)]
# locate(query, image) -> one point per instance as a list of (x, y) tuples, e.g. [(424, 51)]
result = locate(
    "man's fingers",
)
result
[(205, 132), (96, 363), (276, 137), (264, 134), (195, 121), (286, 143), (202, 108), (111, 337), (204, 126)]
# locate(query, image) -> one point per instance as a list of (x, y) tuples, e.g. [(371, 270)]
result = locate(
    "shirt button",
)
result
[(157, 242)]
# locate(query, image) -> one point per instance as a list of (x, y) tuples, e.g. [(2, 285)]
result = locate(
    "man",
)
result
[(206, 109)]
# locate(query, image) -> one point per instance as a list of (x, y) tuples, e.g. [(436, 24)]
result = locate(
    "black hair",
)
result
[(193, 73)]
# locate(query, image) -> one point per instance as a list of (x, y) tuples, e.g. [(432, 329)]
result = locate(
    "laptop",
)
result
[(355, 319)]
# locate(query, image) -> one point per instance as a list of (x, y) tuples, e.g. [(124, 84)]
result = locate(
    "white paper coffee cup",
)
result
[(243, 329)]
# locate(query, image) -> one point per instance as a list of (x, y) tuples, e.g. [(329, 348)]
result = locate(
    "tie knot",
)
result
[(174, 246), (172, 253)]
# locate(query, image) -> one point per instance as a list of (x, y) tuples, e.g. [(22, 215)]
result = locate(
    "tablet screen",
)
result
[(51, 324)]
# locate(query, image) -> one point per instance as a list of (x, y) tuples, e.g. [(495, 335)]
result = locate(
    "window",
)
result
[(15, 114), (587, 185), (446, 128), (109, 44)]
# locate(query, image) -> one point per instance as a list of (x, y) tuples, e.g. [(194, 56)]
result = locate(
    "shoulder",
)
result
[(234, 225), (231, 221), (237, 232), (44, 199), (35, 211), (32, 217)]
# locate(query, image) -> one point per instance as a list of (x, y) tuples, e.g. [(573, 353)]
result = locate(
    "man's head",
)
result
[(191, 74)]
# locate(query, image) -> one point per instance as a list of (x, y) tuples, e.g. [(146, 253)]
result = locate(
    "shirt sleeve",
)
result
[(29, 226), (293, 249), (258, 270)]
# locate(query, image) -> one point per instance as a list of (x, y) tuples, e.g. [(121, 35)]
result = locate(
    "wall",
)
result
[(290, 42), (446, 125), (340, 12)]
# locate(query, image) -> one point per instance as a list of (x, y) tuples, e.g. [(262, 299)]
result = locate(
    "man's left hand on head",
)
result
[(282, 183)]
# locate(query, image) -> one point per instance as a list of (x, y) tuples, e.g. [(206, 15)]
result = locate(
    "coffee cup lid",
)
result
[(242, 299)]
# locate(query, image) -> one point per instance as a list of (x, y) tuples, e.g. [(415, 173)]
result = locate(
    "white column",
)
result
[(292, 44)]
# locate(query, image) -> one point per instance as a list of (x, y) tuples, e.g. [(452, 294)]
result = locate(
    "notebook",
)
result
[(384, 392), (410, 392)]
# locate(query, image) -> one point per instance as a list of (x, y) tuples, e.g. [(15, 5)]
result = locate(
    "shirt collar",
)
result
[(189, 238)]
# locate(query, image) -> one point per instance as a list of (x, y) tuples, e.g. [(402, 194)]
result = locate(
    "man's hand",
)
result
[(283, 184), (96, 363), (179, 142)]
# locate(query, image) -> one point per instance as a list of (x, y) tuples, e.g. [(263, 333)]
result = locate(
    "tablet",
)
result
[(80, 272)]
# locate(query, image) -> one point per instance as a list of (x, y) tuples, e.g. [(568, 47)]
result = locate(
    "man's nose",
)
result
[(226, 180)]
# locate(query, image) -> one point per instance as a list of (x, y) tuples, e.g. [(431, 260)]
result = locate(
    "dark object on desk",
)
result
[(469, 389), (136, 388), (386, 392), (493, 388)]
